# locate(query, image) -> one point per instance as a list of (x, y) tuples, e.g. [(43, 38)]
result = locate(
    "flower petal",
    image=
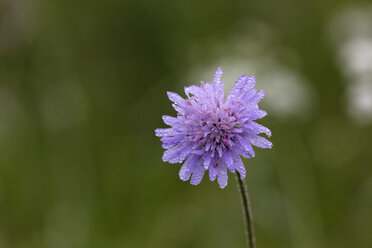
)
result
[(178, 109), (217, 75), (207, 160), (241, 151), (229, 160), (163, 132), (173, 152), (188, 167), (255, 128), (174, 97), (173, 139), (239, 166), (248, 95), (212, 173), (198, 173), (258, 97), (243, 84), (260, 142), (222, 174), (194, 90), (257, 114), (170, 120), (246, 145)]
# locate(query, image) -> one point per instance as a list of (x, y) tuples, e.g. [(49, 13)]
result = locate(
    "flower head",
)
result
[(211, 132)]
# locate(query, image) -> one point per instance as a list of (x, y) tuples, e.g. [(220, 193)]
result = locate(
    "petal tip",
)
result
[(222, 186), (194, 183)]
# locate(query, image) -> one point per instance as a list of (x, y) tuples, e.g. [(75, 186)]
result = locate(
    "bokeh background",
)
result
[(83, 86)]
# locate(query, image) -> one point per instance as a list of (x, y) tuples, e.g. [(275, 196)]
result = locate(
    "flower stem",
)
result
[(247, 212)]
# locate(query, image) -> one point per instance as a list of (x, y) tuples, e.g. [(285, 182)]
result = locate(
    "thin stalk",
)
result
[(247, 212)]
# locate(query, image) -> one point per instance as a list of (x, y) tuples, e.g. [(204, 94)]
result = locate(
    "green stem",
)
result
[(247, 212)]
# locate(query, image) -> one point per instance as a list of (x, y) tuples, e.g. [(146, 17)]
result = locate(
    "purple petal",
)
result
[(249, 95), (212, 173), (207, 160), (173, 152), (229, 160), (174, 97), (161, 132), (239, 166), (169, 120), (178, 109), (183, 154), (217, 75), (218, 87), (251, 82), (198, 152), (198, 173), (219, 150), (172, 140), (167, 146), (243, 84), (258, 97), (194, 90), (257, 114), (241, 151), (206, 97), (222, 174), (246, 145), (260, 142), (255, 128), (219, 93), (188, 167)]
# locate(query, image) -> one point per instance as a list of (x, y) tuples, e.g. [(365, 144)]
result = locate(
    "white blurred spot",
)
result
[(356, 56), (351, 33), (360, 101), (287, 93)]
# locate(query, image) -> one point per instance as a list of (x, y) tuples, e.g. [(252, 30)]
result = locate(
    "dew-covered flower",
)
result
[(211, 132)]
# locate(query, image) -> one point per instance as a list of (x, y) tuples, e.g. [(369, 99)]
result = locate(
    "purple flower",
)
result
[(211, 132)]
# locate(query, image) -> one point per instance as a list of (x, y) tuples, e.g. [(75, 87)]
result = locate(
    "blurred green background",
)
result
[(83, 86)]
